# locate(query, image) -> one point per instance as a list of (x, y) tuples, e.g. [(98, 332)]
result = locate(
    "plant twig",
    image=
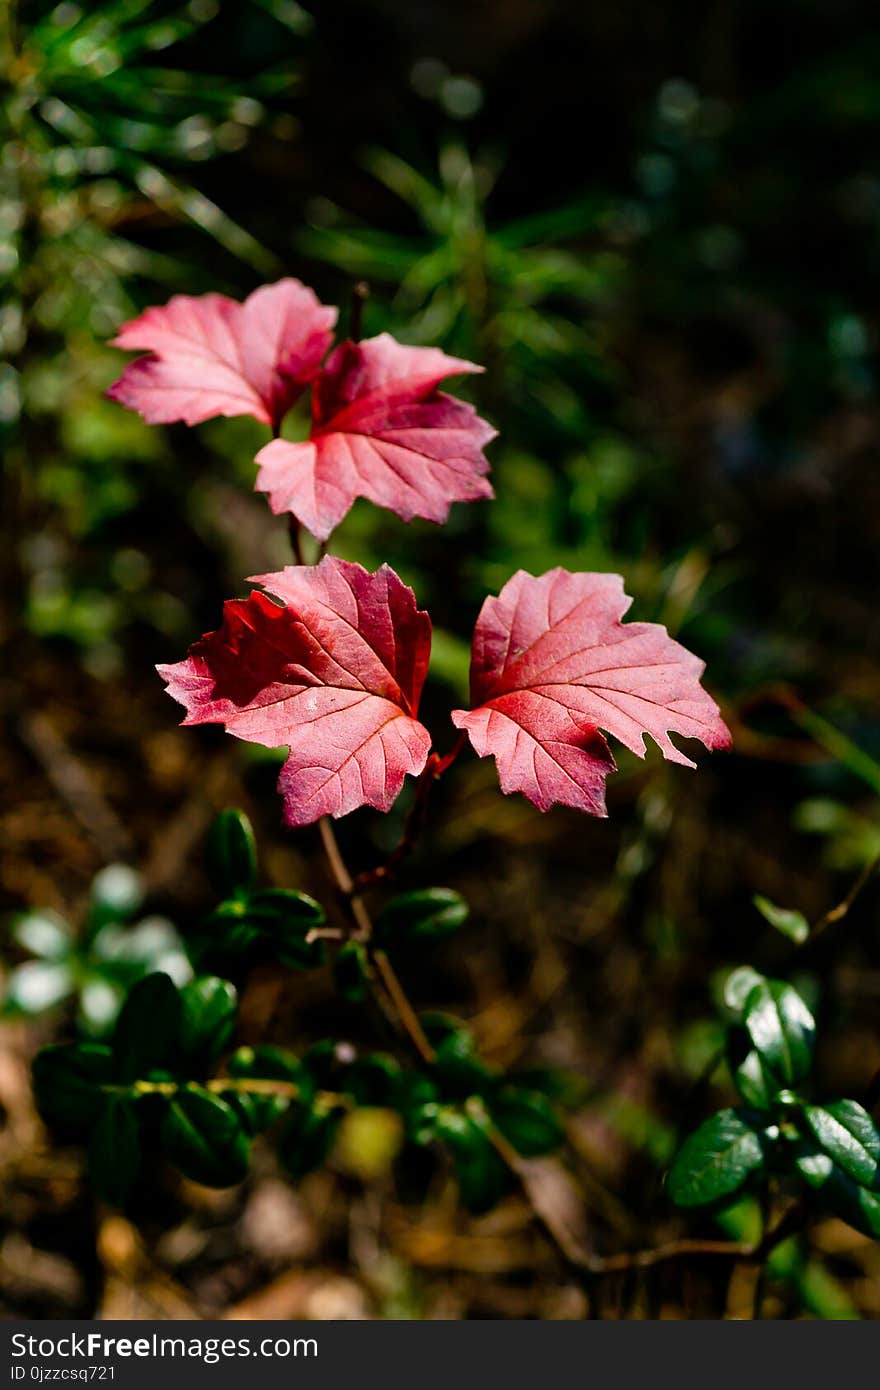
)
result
[(405, 1012), (415, 820), (296, 539), (408, 1015), (219, 1085), (586, 1263), (837, 914)]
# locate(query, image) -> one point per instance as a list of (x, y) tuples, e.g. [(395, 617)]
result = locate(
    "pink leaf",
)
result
[(212, 356), (380, 430), (552, 664), (335, 673)]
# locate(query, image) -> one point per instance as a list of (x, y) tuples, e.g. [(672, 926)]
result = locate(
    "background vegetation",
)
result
[(659, 227)]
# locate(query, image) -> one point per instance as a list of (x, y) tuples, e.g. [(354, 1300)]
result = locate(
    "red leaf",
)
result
[(552, 665), (336, 673), (381, 430), (212, 356)]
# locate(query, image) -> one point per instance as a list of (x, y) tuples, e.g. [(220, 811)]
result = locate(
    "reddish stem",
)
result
[(296, 539), (415, 820)]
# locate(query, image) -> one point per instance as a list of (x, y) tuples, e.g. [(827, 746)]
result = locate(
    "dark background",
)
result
[(658, 227)]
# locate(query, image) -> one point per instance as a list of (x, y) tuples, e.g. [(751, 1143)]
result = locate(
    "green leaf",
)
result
[(117, 892), (273, 1063), (209, 1008), (418, 1105), (792, 924), (224, 934), (781, 1028), (44, 934), (262, 1109), (482, 1175), (846, 1132), (847, 1199), (67, 1082), (232, 853), (756, 1086), (458, 1069), (257, 1111), (147, 1032), (307, 1138), (350, 971), (38, 985), (527, 1119), (738, 986), (100, 999), (284, 917), (375, 1080), (283, 911), (115, 1150), (716, 1160), (426, 914), (203, 1135)]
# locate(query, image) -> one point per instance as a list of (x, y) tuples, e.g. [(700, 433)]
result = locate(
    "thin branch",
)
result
[(587, 1264), (415, 820), (296, 539), (220, 1085), (408, 1015), (344, 880), (838, 913), (405, 1012)]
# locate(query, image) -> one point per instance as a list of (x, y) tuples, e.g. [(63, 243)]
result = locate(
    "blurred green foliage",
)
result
[(101, 132), (97, 965)]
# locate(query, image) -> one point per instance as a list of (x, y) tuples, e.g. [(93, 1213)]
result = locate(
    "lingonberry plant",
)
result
[(329, 661)]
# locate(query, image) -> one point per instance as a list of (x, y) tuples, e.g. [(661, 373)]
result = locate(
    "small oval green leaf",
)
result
[(350, 971), (209, 1008), (482, 1175), (527, 1119), (283, 918), (203, 1136), (274, 1063), (307, 1138), (756, 1086), (283, 911), (147, 1032), (38, 985), (426, 914), (738, 986), (781, 1028), (115, 1150), (43, 933), (856, 1205), (786, 920), (716, 1160), (68, 1080), (846, 1132), (232, 853)]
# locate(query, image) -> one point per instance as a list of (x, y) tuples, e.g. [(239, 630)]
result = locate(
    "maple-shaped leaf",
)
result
[(335, 673), (380, 430), (552, 664), (209, 355)]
